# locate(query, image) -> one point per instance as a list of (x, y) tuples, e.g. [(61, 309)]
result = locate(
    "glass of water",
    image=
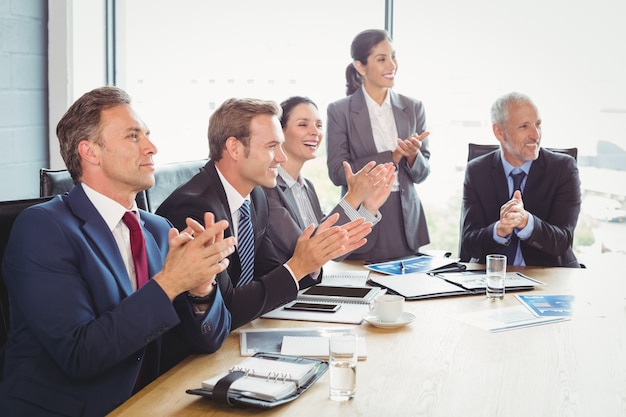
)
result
[(496, 274), (342, 360)]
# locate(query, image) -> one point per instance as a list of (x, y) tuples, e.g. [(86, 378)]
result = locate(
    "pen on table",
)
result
[(402, 267)]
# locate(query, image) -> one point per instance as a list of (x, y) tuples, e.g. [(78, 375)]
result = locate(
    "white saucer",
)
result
[(404, 319)]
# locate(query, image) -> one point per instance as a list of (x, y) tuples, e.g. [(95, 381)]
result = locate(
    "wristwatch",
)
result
[(200, 300)]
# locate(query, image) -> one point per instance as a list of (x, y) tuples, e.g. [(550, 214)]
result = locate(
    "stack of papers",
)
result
[(506, 318)]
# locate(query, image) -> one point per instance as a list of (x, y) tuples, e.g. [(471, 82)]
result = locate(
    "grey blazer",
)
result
[(350, 138), (285, 223)]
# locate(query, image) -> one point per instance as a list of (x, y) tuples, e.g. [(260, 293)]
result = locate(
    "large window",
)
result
[(459, 56), (179, 62)]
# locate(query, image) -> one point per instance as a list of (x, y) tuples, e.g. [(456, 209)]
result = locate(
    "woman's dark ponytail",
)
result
[(353, 79), (361, 48)]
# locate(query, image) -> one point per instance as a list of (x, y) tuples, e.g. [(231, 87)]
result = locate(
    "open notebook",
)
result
[(417, 286)]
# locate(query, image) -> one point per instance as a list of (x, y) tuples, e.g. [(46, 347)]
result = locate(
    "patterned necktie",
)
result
[(245, 245), (517, 180), (138, 248), (511, 250)]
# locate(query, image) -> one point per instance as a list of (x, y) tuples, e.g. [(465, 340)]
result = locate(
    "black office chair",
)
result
[(54, 181), (9, 210), (475, 150), (169, 177), (59, 181)]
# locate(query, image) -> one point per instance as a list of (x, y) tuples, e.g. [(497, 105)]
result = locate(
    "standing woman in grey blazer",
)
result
[(374, 123)]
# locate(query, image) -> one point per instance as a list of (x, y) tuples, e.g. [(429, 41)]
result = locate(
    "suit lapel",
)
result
[(153, 252), (217, 190), (361, 122), (402, 120), (535, 181), (96, 230), (289, 201), (315, 203), (499, 181)]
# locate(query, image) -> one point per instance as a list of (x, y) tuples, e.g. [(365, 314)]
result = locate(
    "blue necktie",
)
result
[(245, 245), (511, 250)]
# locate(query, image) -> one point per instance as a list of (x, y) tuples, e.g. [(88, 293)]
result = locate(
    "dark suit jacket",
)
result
[(78, 333), (551, 195), (273, 285), (350, 138)]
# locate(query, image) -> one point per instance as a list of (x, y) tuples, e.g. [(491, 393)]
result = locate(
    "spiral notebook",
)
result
[(263, 380)]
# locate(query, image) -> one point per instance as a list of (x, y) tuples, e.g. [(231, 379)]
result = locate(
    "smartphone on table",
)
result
[(316, 307)]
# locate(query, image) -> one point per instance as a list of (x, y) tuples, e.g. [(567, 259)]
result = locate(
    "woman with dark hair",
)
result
[(374, 123), (294, 203)]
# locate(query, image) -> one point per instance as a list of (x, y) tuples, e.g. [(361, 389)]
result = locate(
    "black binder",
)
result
[(222, 392)]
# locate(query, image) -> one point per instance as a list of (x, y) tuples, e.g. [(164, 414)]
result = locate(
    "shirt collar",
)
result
[(371, 104), (288, 179), (110, 210), (508, 167), (235, 200)]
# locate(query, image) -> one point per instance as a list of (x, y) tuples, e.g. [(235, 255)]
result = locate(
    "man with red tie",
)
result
[(103, 294)]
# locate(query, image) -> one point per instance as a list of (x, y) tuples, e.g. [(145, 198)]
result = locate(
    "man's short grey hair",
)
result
[(500, 109)]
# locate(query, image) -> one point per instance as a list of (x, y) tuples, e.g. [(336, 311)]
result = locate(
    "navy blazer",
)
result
[(273, 284), (78, 333), (350, 138), (551, 195)]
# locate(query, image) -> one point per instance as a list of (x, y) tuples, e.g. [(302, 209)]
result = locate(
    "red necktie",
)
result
[(138, 248)]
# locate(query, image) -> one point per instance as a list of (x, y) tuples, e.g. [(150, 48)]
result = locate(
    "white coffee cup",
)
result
[(387, 307)]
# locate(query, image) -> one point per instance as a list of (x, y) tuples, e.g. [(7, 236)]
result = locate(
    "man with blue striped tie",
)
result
[(245, 139)]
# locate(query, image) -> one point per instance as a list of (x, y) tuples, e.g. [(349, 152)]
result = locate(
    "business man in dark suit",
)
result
[(245, 149), (81, 329), (531, 220)]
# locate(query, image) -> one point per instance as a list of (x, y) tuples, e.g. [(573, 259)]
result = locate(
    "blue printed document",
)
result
[(422, 263), (543, 305)]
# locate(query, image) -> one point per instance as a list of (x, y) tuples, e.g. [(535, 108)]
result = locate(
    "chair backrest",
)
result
[(59, 181), (54, 181), (9, 210), (169, 177), (475, 150)]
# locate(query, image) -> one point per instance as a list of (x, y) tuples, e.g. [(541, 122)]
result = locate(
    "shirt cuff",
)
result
[(361, 212), (525, 233), (293, 276), (501, 240)]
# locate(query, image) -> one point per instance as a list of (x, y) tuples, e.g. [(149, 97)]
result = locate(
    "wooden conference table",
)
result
[(441, 366)]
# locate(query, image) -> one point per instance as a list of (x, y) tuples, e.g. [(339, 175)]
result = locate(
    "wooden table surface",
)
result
[(441, 366)]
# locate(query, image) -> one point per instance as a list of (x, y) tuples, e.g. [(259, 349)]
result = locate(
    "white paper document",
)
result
[(315, 347), (417, 285), (506, 318)]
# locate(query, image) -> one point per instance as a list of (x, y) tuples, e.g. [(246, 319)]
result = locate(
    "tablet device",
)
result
[(332, 293)]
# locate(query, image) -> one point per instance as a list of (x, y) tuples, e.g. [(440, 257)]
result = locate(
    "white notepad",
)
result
[(315, 346)]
